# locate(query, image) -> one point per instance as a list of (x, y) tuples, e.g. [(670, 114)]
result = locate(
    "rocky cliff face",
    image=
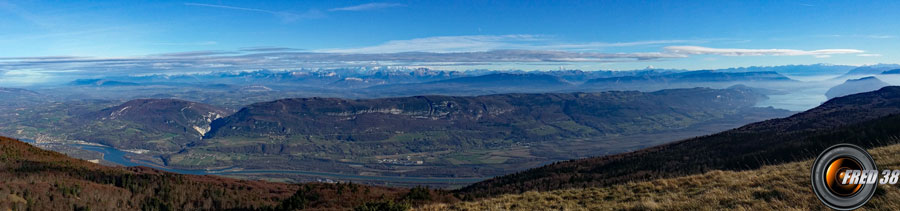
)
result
[(170, 122)]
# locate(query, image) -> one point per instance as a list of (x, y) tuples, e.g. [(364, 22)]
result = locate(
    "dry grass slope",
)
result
[(36, 179), (778, 187)]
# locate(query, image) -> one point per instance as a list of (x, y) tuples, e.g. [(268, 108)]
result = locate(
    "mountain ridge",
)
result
[(871, 69), (133, 123), (700, 78), (436, 107), (780, 140), (894, 71), (477, 85), (464, 136), (853, 86)]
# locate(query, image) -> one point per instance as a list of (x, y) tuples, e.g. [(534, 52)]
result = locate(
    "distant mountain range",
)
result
[(19, 97), (477, 85), (797, 70), (298, 77), (101, 82), (853, 86), (872, 69), (10, 92), (234, 90), (894, 71), (867, 119), (372, 83), (540, 82), (683, 79), (362, 77)]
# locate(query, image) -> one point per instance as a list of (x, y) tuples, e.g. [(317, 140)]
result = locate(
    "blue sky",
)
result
[(46, 38)]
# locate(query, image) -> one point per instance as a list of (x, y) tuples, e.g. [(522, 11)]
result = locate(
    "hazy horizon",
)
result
[(85, 38)]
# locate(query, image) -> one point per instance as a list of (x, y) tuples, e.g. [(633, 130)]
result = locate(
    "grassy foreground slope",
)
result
[(775, 187), (36, 179)]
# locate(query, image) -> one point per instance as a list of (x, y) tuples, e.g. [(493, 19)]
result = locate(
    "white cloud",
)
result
[(869, 55), (601, 45), (869, 36), (882, 36), (285, 16), (445, 44), (187, 43), (459, 51), (369, 6), (698, 50), (24, 77), (237, 60), (268, 49), (448, 44)]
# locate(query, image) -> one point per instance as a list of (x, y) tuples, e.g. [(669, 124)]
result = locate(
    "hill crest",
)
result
[(800, 136)]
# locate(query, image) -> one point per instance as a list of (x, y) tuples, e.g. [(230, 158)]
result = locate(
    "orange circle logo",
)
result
[(844, 177), (835, 174)]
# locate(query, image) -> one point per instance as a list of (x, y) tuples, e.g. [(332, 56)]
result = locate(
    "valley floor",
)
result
[(777, 187)]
